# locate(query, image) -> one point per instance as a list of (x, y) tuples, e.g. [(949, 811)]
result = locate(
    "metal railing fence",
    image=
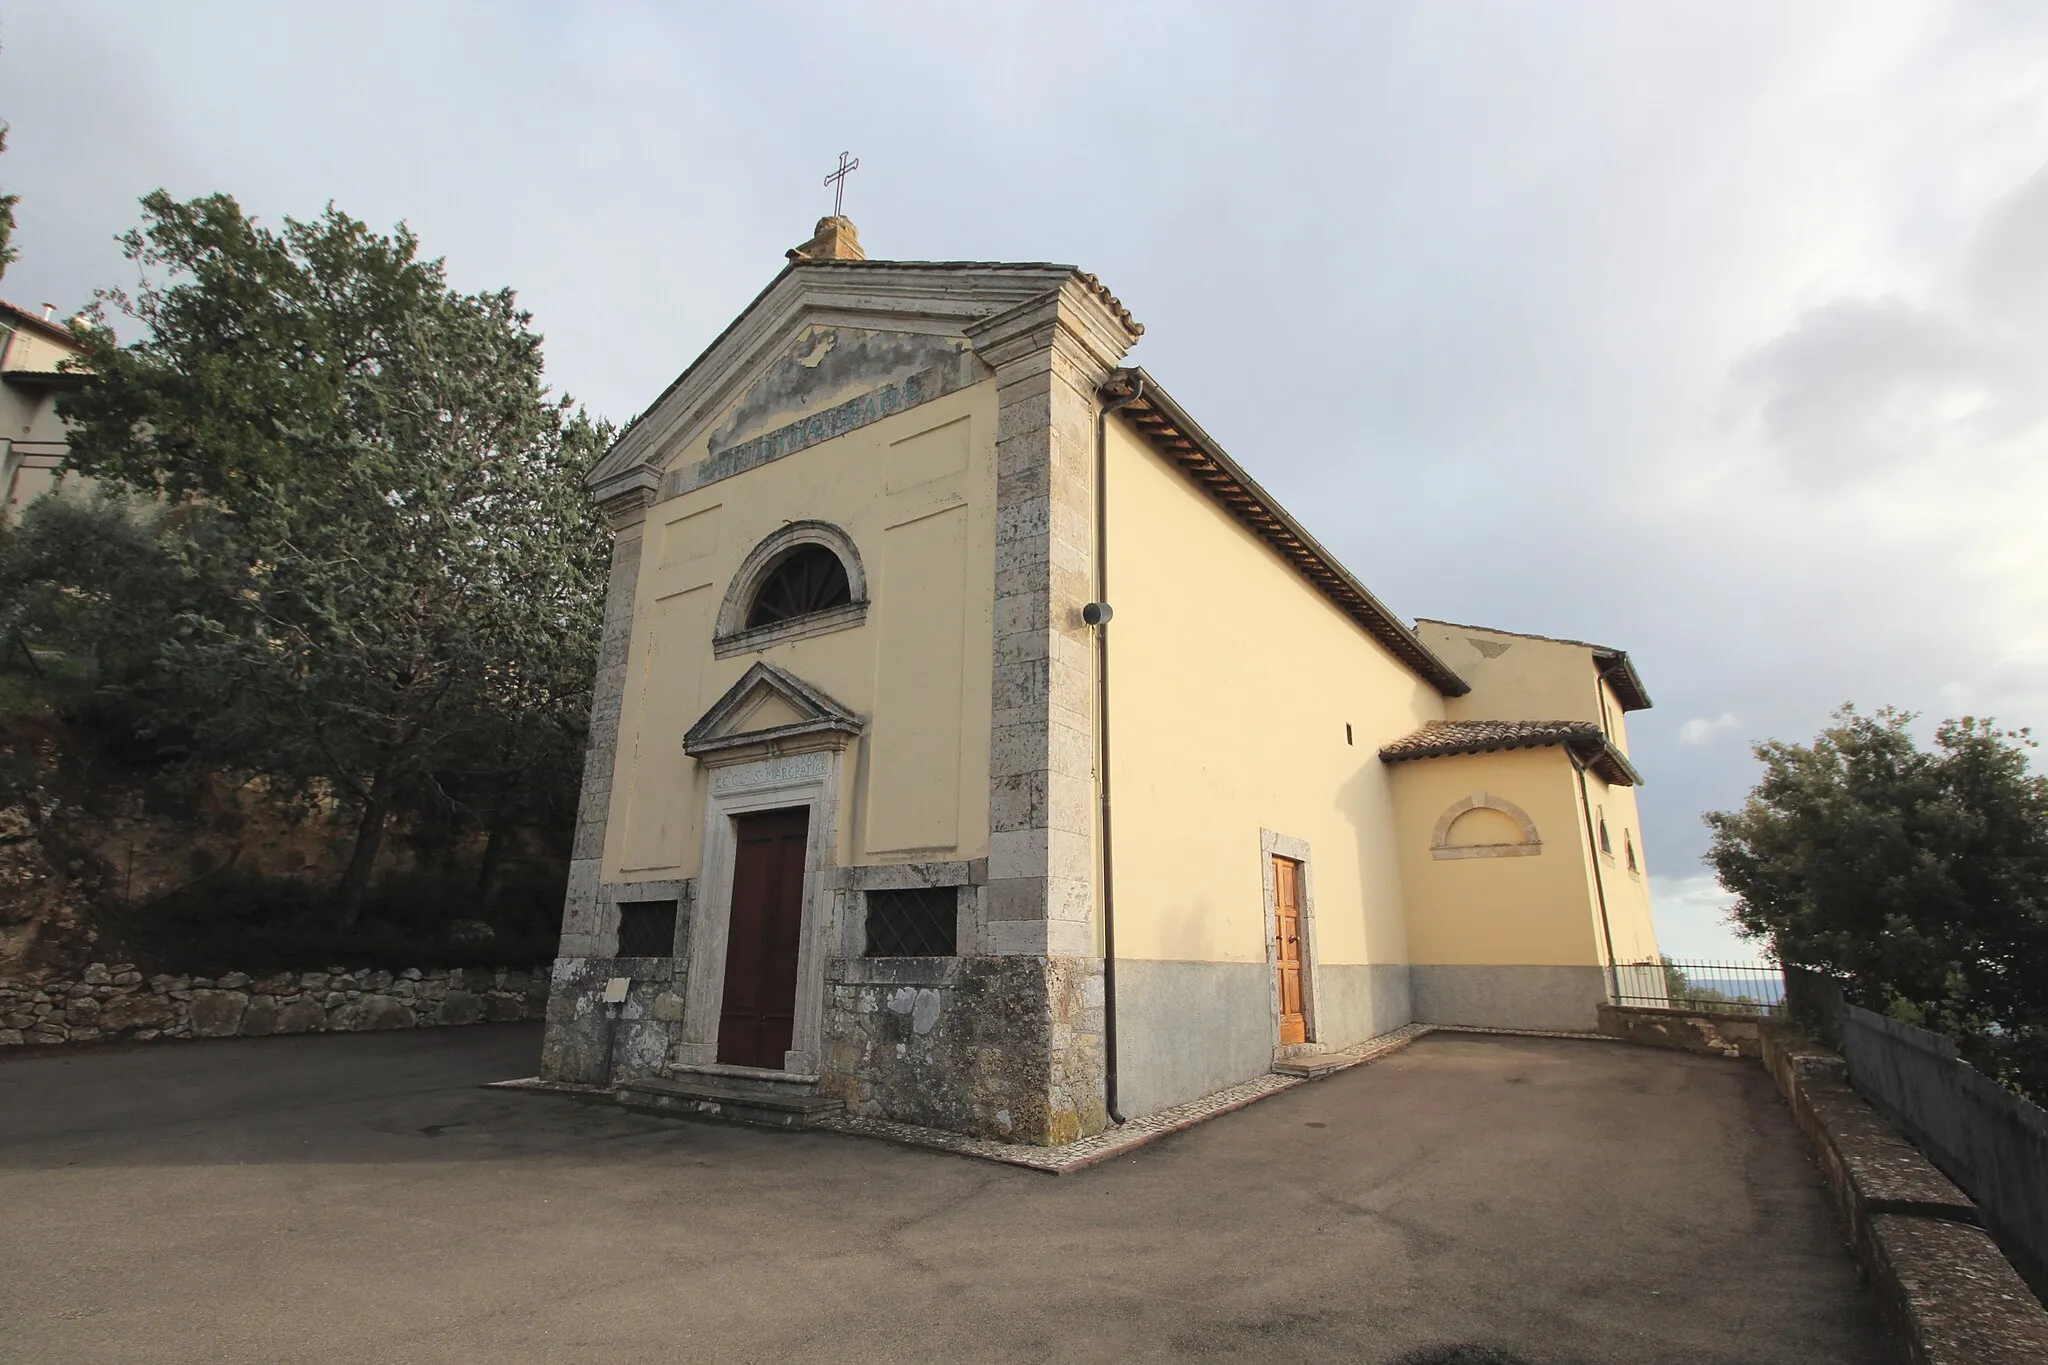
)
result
[(1754, 987)]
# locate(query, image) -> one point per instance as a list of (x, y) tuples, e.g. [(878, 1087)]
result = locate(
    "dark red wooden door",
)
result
[(759, 1011)]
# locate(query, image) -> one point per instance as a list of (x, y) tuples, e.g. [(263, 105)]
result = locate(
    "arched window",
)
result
[(1606, 844), (810, 579), (1628, 847), (1485, 826), (805, 579)]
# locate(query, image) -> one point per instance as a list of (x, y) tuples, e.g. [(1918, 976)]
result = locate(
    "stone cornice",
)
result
[(624, 504), (940, 297), (844, 291), (1072, 320)]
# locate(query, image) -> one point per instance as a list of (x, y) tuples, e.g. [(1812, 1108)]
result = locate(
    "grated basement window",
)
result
[(647, 928), (919, 921)]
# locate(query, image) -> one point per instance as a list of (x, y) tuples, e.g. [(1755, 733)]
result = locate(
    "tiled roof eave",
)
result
[(1450, 739)]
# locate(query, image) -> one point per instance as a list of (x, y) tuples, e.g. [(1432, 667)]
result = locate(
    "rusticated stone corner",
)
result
[(1004, 1047)]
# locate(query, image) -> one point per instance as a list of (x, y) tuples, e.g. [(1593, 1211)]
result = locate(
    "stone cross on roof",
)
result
[(837, 180)]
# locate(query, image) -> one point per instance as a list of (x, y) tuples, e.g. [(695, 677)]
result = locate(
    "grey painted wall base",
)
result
[(1188, 1029), (1355, 1002), (1509, 997)]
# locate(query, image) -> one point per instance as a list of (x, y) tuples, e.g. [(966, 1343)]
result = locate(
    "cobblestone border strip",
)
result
[(535, 1083), (1074, 1156), (1583, 1036)]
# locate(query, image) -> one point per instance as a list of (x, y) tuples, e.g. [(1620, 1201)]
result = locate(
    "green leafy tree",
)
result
[(7, 203), (1920, 877), (105, 578), (417, 566)]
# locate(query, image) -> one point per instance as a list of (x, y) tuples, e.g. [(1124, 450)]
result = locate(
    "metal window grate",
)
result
[(647, 928), (920, 921)]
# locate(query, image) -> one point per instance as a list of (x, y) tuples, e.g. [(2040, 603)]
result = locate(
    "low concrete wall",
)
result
[(1561, 999), (1987, 1139), (1704, 1031), (116, 1001), (1940, 1279)]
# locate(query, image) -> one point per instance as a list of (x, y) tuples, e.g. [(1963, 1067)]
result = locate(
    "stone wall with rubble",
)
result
[(968, 1044), (115, 1001)]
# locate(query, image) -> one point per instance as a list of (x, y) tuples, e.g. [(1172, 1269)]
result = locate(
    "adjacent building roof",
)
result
[(1180, 439), (14, 316), (1444, 738), (1611, 663)]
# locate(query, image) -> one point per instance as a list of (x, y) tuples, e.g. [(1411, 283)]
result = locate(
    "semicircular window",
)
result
[(808, 581)]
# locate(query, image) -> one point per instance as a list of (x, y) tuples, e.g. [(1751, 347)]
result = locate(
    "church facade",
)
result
[(977, 745)]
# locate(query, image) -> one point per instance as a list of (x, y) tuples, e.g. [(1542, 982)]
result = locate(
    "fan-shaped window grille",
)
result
[(811, 580)]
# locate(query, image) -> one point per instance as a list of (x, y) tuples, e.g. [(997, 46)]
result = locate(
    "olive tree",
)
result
[(417, 571)]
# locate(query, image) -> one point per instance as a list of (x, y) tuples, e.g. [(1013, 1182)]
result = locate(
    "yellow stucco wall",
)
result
[(1526, 678), (1524, 911), (1231, 685), (1628, 891), (916, 492)]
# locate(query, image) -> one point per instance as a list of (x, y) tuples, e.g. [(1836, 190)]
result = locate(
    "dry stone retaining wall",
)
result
[(117, 1001)]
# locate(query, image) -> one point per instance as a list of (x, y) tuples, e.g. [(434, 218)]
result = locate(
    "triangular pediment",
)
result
[(828, 342), (769, 706)]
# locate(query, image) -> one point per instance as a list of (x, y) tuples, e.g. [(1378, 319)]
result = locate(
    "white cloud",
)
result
[(1706, 331), (1692, 924), (1705, 730)]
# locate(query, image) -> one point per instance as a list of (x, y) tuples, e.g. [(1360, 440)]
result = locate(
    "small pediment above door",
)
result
[(773, 711)]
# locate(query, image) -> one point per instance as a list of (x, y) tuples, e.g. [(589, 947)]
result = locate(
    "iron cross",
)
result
[(837, 180)]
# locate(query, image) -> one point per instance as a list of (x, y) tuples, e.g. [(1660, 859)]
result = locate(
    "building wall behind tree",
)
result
[(32, 439)]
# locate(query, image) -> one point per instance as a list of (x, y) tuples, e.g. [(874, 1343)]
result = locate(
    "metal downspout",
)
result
[(1599, 886), (1109, 1072)]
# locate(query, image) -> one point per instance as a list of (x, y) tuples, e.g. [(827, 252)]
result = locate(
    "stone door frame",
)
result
[(1274, 845), (807, 781)]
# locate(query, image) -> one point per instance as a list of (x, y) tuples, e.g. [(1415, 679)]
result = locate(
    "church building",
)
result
[(977, 745)]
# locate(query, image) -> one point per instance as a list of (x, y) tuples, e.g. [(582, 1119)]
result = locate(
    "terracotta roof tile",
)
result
[(1443, 738)]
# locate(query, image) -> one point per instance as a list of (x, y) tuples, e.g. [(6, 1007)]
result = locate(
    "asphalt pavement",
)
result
[(359, 1197)]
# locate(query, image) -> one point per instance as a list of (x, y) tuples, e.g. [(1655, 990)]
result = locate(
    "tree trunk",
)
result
[(494, 852), (355, 882)]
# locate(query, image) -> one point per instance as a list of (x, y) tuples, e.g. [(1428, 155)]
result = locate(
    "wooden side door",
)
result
[(1287, 949), (758, 1014)]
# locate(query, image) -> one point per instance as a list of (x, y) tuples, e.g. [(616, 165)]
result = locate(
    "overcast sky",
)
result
[(1712, 331)]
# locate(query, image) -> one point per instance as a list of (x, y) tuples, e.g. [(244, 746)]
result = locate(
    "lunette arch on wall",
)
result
[(732, 636), (1440, 845)]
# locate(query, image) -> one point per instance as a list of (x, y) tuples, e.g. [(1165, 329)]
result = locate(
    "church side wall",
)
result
[(1628, 892), (1232, 682)]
